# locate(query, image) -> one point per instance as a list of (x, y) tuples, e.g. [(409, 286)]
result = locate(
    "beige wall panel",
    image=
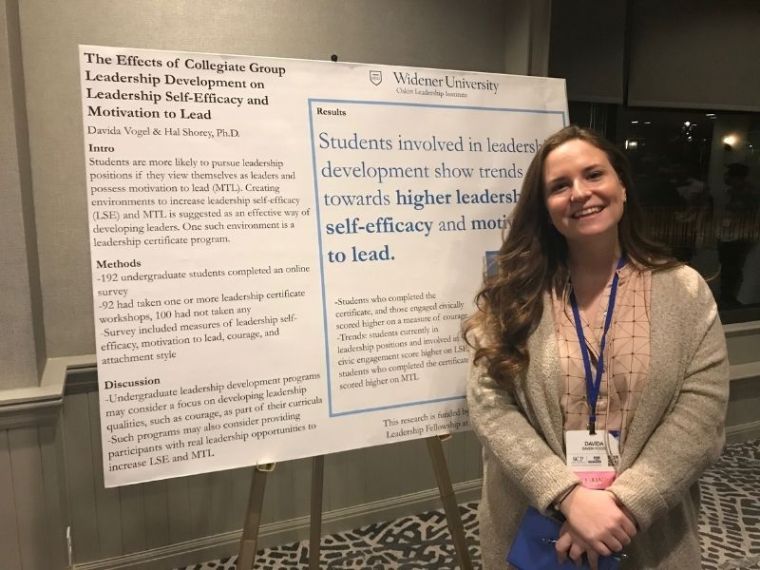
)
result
[(202, 505), (178, 501), (229, 499), (80, 478), (287, 495), (743, 347), (107, 501), (133, 532), (396, 469), (221, 498), (9, 532), (199, 491), (345, 479), (472, 457), (51, 451), (240, 487), (155, 497), (299, 501), (17, 341), (366, 475), (29, 493), (434, 33), (744, 404), (454, 452)]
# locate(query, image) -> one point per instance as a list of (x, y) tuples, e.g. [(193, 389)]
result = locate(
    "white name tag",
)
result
[(593, 457)]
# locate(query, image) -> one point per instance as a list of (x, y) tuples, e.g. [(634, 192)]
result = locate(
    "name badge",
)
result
[(593, 457)]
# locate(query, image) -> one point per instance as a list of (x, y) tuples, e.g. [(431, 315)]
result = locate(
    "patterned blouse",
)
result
[(626, 365)]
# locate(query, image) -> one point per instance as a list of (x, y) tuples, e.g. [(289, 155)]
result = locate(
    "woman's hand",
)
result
[(570, 545), (595, 517)]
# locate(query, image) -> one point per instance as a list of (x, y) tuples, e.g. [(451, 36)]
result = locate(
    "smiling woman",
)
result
[(584, 194), (583, 312)]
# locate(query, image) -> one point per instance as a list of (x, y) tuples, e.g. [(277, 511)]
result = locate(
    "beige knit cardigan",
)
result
[(676, 433)]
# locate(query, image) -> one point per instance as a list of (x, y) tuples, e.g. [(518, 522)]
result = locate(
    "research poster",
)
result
[(283, 251)]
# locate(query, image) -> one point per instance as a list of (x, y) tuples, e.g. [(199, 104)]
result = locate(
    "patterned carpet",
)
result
[(729, 526), (729, 522)]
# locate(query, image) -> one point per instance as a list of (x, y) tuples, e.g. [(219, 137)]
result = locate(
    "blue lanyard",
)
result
[(594, 384)]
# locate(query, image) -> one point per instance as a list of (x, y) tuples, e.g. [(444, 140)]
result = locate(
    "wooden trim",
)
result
[(50, 391), (739, 329), (743, 432), (41, 405), (748, 371), (30, 415), (81, 379)]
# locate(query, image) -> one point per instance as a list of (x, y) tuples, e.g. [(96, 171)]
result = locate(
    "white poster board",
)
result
[(283, 250)]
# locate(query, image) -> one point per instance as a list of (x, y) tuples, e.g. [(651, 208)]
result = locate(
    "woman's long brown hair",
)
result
[(532, 261)]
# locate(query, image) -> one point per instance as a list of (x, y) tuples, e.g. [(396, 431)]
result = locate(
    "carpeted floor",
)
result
[(729, 527)]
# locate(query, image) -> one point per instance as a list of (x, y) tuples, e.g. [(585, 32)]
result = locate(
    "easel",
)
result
[(249, 538), (247, 553)]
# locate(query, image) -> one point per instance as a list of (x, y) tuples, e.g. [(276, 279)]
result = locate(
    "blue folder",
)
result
[(533, 546)]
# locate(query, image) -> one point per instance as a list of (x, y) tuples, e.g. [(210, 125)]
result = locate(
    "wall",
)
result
[(19, 352)]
